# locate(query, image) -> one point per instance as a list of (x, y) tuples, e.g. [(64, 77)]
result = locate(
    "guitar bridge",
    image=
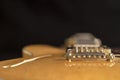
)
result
[(85, 46)]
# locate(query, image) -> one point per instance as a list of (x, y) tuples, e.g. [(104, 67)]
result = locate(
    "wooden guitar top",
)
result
[(53, 66)]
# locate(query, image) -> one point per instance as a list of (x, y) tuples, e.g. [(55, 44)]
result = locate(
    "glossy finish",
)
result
[(56, 67)]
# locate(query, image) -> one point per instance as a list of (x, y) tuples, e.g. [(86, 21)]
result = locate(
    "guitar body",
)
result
[(56, 67)]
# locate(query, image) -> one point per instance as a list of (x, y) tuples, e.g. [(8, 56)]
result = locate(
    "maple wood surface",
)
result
[(55, 67)]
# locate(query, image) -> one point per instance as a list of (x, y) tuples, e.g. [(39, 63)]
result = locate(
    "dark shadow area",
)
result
[(25, 22)]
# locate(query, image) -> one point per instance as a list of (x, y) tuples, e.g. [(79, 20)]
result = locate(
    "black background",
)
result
[(25, 22)]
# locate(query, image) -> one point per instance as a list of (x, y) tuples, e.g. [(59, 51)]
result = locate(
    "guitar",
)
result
[(44, 62)]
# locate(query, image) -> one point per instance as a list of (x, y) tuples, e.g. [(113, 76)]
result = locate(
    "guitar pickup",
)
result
[(85, 46)]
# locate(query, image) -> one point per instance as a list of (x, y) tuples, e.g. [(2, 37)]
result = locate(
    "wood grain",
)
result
[(57, 68)]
